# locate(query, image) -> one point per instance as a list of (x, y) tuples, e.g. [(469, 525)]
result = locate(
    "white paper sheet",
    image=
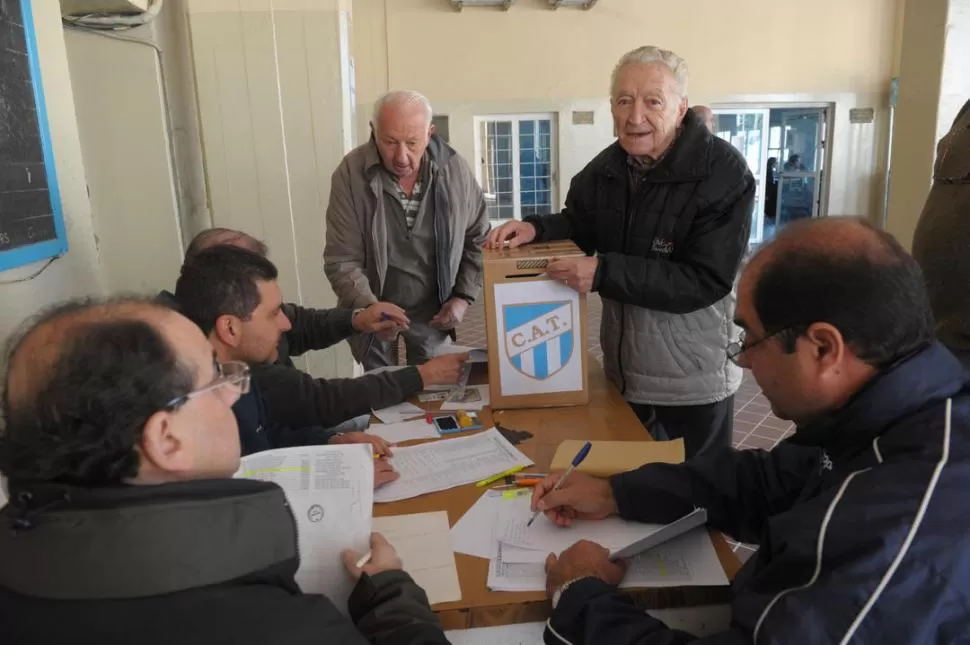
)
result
[(440, 465), (474, 533), (462, 399), (404, 431), (400, 412), (475, 354), (686, 560), (331, 493), (423, 542), (544, 535)]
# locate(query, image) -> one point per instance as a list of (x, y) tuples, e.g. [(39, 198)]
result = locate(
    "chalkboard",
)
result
[(31, 223)]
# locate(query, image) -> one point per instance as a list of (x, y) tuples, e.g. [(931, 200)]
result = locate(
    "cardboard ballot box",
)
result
[(536, 329)]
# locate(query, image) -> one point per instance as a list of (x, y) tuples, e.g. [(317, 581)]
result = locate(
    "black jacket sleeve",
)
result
[(739, 488), (575, 222), (390, 609), (591, 611), (284, 437), (294, 398), (704, 269), (316, 328)]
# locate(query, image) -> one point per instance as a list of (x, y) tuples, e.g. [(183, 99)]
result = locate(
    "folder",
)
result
[(611, 457)]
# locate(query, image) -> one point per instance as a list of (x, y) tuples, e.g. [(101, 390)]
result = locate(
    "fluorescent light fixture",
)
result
[(582, 4), (460, 4)]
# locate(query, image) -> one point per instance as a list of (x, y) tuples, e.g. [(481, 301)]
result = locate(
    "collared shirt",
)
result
[(411, 204)]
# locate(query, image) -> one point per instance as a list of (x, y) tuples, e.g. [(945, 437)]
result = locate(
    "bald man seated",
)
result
[(861, 515), (124, 526)]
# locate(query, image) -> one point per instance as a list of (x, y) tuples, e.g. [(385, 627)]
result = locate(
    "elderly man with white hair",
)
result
[(663, 215), (405, 224)]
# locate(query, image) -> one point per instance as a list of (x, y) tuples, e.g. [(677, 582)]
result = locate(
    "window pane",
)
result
[(490, 127), (542, 183), (530, 210), (527, 184), (503, 156), (544, 197), (507, 212), (505, 199), (505, 185), (543, 170), (527, 170), (504, 127), (526, 127), (544, 140), (503, 142), (545, 126), (528, 198), (543, 155), (526, 142)]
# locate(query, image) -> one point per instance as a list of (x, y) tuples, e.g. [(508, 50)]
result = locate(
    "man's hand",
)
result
[(384, 473), (380, 446), (584, 559), (450, 314), (442, 370), (514, 233), (576, 273), (381, 317), (581, 497), (383, 557)]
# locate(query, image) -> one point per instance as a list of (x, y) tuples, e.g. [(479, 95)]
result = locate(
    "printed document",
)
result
[(439, 465), (331, 493), (404, 430)]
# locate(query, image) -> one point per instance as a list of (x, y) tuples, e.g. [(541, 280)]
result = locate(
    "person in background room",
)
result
[(124, 523), (861, 515), (707, 117), (405, 224), (941, 243), (663, 215)]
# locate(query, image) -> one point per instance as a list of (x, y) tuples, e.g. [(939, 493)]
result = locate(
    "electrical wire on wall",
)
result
[(108, 26)]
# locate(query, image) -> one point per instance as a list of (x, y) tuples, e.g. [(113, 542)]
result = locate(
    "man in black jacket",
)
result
[(861, 516), (123, 524), (310, 329), (234, 297), (664, 215)]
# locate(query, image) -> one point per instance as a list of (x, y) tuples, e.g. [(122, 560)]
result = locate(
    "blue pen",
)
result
[(578, 459)]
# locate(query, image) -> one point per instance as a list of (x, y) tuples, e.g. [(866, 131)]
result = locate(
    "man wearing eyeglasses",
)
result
[(861, 516), (124, 525)]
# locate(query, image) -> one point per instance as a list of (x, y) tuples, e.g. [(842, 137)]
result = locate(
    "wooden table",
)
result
[(607, 417)]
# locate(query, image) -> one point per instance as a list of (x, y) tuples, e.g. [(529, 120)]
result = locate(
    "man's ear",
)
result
[(682, 108), (828, 345), (228, 330), (162, 450)]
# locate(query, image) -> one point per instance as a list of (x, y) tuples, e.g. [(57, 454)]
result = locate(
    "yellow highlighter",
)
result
[(495, 478)]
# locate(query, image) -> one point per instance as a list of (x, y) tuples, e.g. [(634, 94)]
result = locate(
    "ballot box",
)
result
[(536, 329)]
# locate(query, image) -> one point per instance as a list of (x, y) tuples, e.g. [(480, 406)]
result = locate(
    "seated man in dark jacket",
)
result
[(124, 525), (664, 215), (861, 515), (310, 329), (234, 297)]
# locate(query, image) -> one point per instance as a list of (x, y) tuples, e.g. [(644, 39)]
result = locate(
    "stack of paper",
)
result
[(440, 465), (423, 543), (400, 412), (676, 554), (330, 490)]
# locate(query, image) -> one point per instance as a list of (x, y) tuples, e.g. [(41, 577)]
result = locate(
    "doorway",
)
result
[(785, 150)]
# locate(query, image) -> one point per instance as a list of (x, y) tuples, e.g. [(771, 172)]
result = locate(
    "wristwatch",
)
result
[(557, 594)]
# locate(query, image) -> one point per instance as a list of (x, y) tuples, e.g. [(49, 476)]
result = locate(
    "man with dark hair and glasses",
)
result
[(124, 524), (234, 297), (860, 515)]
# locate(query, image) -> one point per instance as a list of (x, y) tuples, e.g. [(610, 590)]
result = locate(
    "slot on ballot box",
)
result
[(536, 329)]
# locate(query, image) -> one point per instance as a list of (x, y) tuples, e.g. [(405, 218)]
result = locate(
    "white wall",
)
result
[(273, 92), (530, 58), (78, 272)]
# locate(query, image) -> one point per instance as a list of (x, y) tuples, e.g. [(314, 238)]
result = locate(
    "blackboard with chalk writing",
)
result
[(31, 222)]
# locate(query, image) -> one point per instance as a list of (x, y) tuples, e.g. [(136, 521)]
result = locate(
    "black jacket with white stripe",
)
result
[(862, 520)]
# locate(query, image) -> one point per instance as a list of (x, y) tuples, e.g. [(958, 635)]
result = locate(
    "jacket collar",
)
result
[(687, 159), (68, 542), (438, 154), (928, 376)]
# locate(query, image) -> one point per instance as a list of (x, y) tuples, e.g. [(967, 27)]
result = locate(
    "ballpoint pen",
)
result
[(578, 459), (364, 559)]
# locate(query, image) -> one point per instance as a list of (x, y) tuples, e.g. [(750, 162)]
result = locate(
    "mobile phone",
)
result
[(446, 424)]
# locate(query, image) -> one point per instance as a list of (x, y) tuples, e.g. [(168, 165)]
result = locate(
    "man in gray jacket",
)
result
[(405, 224), (664, 216)]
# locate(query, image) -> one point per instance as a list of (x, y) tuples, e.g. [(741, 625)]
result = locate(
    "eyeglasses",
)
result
[(738, 347), (232, 374)]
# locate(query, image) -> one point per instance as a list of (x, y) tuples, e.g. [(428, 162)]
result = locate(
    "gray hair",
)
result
[(401, 97), (651, 54)]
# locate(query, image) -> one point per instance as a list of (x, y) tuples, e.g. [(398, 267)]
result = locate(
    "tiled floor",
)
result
[(754, 425)]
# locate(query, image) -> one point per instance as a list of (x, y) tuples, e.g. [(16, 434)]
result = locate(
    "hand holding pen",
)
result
[(573, 495)]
